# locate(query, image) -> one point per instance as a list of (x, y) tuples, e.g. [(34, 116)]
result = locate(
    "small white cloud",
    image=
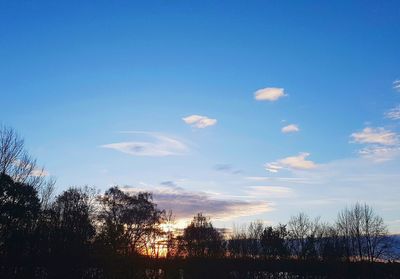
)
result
[(375, 136), (199, 121), (269, 94), (159, 146), (39, 173), (396, 85), (291, 128), (298, 162), (31, 169), (393, 113)]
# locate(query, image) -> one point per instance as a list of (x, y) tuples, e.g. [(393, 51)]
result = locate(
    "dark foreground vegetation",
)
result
[(82, 233)]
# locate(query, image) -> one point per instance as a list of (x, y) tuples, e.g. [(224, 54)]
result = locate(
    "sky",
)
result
[(242, 110)]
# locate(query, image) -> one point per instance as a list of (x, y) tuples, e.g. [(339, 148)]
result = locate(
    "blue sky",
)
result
[(189, 99)]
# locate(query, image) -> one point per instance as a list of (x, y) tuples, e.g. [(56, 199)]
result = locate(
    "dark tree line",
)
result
[(82, 233)]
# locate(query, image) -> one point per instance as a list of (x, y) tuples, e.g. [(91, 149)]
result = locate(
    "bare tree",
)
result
[(46, 193), (169, 228), (302, 233), (237, 242), (255, 231), (375, 233), (21, 167), (14, 160), (11, 149), (364, 233)]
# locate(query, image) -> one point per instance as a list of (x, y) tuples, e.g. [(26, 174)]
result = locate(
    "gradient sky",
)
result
[(243, 110)]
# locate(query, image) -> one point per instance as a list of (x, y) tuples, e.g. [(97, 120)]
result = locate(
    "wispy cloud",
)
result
[(157, 145), (227, 168), (297, 180), (257, 178), (273, 167), (185, 204), (298, 162), (291, 128), (269, 94), (380, 144), (336, 184), (169, 183), (396, 85), (393, 113), (199, 121), (375, 136), (270, 191), (379, 153), (32, 169)]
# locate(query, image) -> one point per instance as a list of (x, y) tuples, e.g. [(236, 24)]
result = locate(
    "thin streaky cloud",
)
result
[(257, 178), (273, 167), (396, 85), (169, 183), (270, 94), (223, 167), (280, 179), (378, 153), (393, 113), (227, 168), (270, 191)]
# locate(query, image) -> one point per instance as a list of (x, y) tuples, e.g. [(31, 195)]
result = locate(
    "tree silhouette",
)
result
[(238, 242), (71, 217), (273, 242), (126, 220), (122, 234), (19, 208), (363, 232), (64, 233), (21, 167), (201, 239), (111, 217), (302, 230)]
